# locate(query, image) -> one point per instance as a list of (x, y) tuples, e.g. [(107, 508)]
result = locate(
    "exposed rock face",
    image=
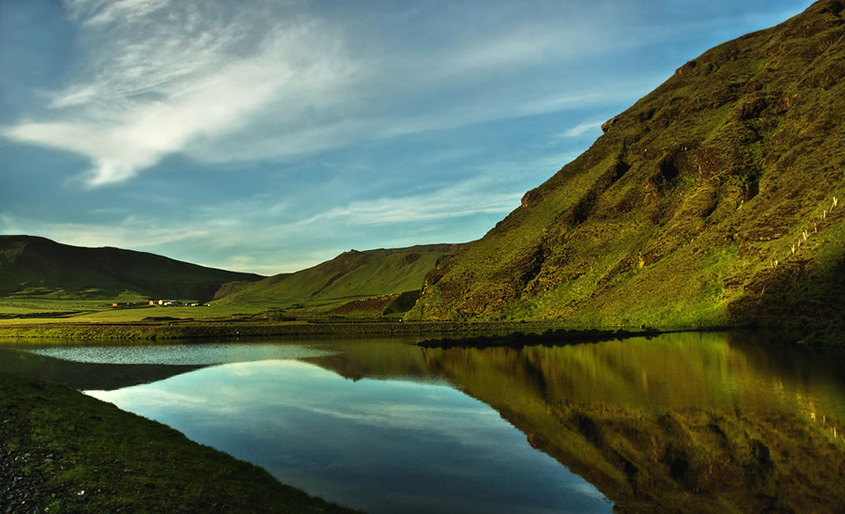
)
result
[(687, 209)]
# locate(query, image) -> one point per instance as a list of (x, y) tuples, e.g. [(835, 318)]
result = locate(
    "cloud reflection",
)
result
[(380, 445)]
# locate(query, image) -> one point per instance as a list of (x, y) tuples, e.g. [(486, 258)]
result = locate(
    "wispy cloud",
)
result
[(581, 129), (97, 12), (219, 81), (155, 81), (134, 232), (467, 198)]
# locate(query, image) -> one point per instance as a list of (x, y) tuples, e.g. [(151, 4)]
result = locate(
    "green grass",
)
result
[(16, 310), (354, 286)]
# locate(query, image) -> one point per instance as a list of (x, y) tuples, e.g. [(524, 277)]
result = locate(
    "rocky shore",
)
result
[(22, 487)]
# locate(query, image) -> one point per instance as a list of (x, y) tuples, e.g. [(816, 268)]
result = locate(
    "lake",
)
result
[(703, 422)]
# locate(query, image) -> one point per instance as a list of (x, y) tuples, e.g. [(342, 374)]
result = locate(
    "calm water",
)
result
[(380, 445), (688, 422)]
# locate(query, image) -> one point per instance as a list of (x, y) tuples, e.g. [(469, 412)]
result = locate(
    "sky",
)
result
[(270, 135)]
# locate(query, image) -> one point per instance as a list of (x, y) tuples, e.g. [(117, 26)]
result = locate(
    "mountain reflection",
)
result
[(86, 375), (679, 422), (689, 422)]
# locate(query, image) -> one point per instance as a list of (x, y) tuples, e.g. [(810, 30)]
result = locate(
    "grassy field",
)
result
[(96, 319), (20, 309), (46, 283)]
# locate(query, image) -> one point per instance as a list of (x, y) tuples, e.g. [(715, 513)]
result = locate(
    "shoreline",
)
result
[(441, 334), (64, 451), (550, 337), (173, 330)]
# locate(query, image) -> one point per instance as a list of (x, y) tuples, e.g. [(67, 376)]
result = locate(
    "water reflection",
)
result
[(83, 375), (179, 354), (687, 422), (113, 366), (681, 422), (380, 445)]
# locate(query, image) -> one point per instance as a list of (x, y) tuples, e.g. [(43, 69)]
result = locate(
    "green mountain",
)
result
[(34, 266), (714, 199), (370, 282)]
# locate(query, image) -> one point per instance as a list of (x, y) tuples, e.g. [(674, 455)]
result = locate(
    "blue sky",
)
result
[(269, 136)]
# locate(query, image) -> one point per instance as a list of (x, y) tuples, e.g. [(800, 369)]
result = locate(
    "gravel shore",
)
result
[(23, 487)]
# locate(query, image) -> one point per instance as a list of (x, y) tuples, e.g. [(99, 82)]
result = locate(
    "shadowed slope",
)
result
[(34, 266)]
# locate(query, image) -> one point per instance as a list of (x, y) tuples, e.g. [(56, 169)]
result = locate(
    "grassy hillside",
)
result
[(37, 267), (712, 200), (368, 282), (46, 282)]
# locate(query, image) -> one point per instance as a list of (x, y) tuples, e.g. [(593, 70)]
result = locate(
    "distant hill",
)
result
[(366, 282), (34, 266), (717, 198)]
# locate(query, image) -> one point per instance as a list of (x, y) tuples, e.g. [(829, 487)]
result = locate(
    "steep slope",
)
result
[(713, 199), (351, 276), (34, 266)]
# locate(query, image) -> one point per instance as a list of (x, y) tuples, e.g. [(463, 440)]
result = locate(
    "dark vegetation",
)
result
[(165, 331), (712, 201), (551, 337), (37, 267)]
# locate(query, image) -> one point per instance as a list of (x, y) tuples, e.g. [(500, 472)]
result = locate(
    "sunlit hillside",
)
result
[(715, 199), (372, 282)]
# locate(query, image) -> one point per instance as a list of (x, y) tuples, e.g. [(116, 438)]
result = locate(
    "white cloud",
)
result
[(156, 81), (517, 48), (133, 232), (268, 80), (261, 79), (152, 398), (96, 12), (581, 129), (463, 199), (269, 232)]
